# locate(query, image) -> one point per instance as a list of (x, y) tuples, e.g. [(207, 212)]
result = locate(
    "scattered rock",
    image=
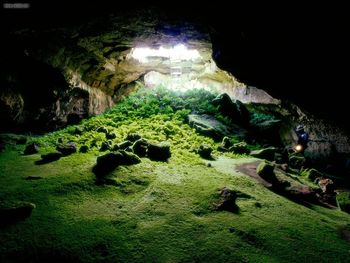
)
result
[(50, 157), (84, 149), (133, 137), (102, 130), (227, 201), (266, 153), (105, 146), (33, 177), (31, 148), (108, 162), (205, 151), (326, 185), (343, 201), (266, 170), (140, 147), (159, 152), (129, 158), (11, 212), (239, 148), (67, 149), (111, 136), (124, 145)]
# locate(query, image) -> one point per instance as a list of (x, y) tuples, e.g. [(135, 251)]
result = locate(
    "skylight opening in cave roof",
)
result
[(176, 53)]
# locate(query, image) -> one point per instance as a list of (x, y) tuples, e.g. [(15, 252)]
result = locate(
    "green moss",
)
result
[(155, 211), (343, 201)]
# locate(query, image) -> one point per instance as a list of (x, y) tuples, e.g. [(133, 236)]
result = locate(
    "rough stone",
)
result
[(133, 137), (266, 170), (67, 149), (84, 149), (124, 145), (31, 148), (159, 152), (49, 157), (326, 185), (140, 147), (105, 146), (208, 125), (227, 200), (111, 136), (266, 153), (205, 151), (240, 148)]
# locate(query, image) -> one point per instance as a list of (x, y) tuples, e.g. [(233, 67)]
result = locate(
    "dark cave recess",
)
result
[(294, 51)]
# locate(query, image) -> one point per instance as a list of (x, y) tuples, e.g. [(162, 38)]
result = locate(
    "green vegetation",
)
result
[(155, 211)]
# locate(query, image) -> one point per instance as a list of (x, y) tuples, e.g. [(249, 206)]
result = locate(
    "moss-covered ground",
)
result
[(157, 211)]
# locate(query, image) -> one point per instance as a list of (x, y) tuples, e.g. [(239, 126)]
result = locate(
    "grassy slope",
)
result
[(160, 212)]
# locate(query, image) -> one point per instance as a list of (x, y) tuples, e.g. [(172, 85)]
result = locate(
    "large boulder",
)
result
[(140, 147), (67, 149), (266, 153), (227, 200), (266, 171), (159, 152), (208, 125), (236, 111), (108, 162)]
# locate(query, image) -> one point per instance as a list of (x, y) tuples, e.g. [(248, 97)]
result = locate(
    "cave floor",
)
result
[(159, 212)]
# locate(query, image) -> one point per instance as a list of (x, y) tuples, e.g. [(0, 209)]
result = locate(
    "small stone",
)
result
[(84, 149), (205, 151), (32, 148), (133, 137), (159, 152), (67, 149), (50, 157)]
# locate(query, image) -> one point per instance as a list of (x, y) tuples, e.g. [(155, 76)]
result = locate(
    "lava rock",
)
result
[(67, 149), (266, 153), (84, 149), (31, 149), (50, 157), (12, 212), (205, 151), (111, 135), (326, 185), (107, 163), (105, 146), (266, 171), (240, 148), (140, 147), (133, 137), (124, 145), (227, 201), (129, 158), (110, 161), (159, 152)]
